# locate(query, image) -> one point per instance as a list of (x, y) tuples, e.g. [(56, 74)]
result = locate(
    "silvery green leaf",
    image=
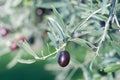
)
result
[(86, 73), (13, 62), (59, 19), (26, 61), (52, 38), (83, 43), (112, 68), (28, 49), (57, 27), (16, 2), (116, 46), (52, 30), (104, 3)]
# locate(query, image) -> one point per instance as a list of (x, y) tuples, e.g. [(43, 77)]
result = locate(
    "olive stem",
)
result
[(43, 58), (40, 58)]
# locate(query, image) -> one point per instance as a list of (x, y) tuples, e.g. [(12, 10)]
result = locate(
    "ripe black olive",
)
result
[(63, 58), (31, 39), (102, 23), (47, 11)]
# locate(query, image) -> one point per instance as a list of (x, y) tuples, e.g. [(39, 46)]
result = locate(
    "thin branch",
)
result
[(100, 43), (112, 12), (43, 58), (108, 24), (81, 24), (26, 61), (116, 20), (40, 58)]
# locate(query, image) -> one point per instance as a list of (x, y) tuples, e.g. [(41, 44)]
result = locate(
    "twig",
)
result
[(108, 24), (112, 12), (100, 43), (81, 24), (117, 21), (40, 58), (43, 58)]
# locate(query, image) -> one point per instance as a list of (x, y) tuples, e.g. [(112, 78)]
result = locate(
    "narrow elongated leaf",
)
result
[(59, 19), (112, 68), (16, 3), (53, 31), (13, 62), (52, 38), (28, 49), (116, 46), (103, 6), (26, 61), (83, 43), (57, 27), (86, 73)]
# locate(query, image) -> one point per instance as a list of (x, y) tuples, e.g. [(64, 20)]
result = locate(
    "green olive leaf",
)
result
[(112, 68)]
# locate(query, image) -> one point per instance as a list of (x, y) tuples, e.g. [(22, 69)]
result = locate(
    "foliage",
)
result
[(87, 29)]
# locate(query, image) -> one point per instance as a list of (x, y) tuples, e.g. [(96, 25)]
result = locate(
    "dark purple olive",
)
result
[(63, 58), (47, 11)]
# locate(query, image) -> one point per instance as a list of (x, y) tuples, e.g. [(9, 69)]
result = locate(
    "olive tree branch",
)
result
[(102, 40), (108, 24), (40, 58), (81, 24)]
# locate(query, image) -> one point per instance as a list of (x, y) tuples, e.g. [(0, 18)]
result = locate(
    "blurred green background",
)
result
[(29, 18), (33, 71)]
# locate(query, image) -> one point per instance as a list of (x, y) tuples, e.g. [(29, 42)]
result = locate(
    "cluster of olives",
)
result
[(13, 45)]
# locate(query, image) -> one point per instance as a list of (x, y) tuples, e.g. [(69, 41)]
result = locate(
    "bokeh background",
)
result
[(27, 21)]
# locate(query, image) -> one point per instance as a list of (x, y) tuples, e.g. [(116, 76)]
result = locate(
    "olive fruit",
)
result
[(117, 55), (47, 11), (4, 31), (63, 58), (31, 40), (102, 23), (39, 12), (13, 46), (102, 72)]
